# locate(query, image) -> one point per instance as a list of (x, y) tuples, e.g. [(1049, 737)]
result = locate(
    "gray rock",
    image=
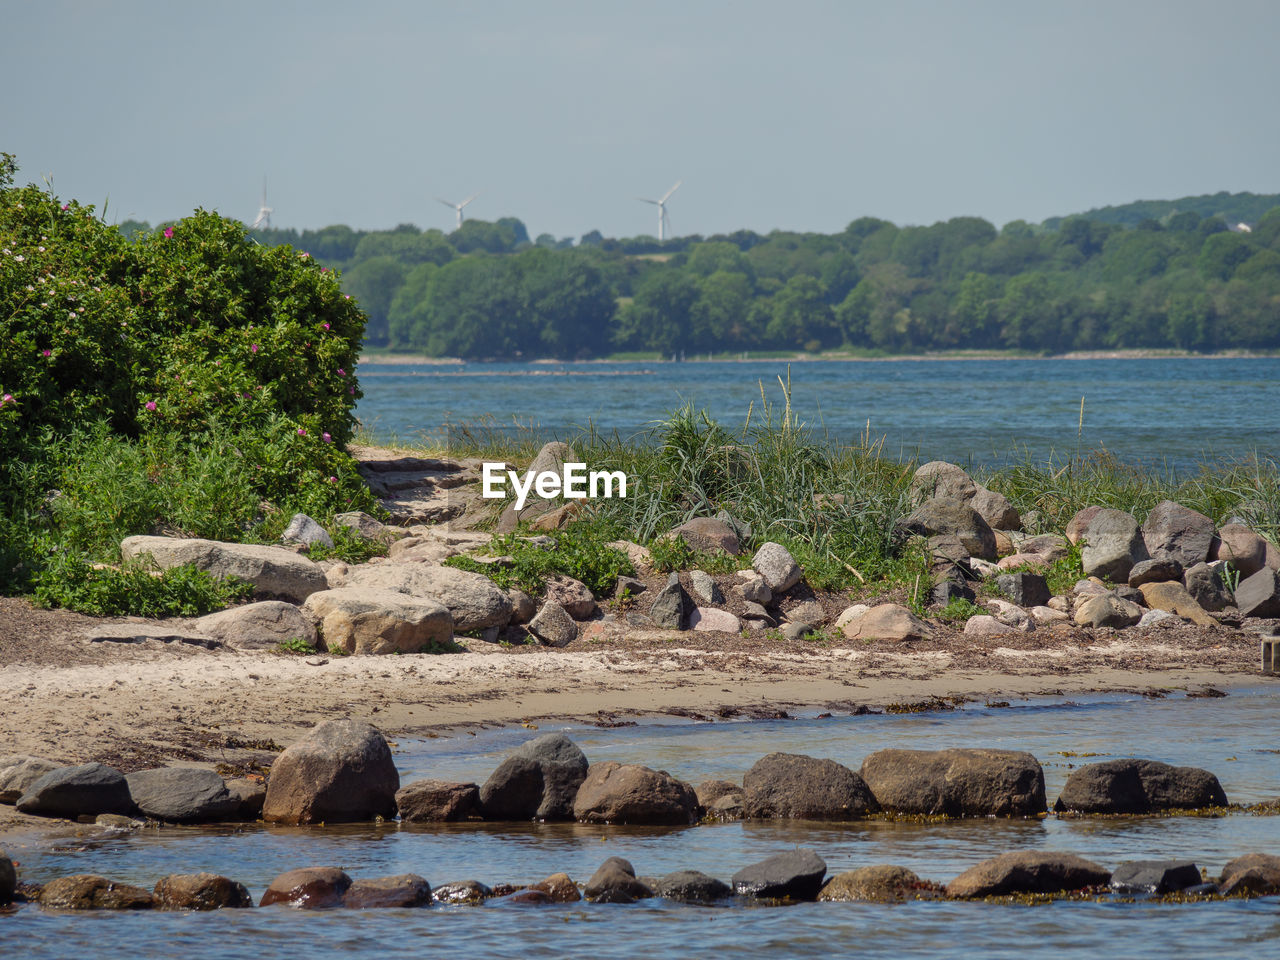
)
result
[(538, 781), (791, 786), (1155, 571), (553, 625), (705, 588), (17, 774), (794, 631), (259, 626), (404, 891), (1259, 595), (1205, 584), (273, 571), (8, 879), (250, 795), (1245, 550), (1138, 786), (462, 892), (754, 590), (708, 535), (956, 783), (630, 793), (1175, 532), (1132, 595), (573, 595), (630, 586), (1113, 543), (757, 615), (1024, 589), (615, 882), (366, 527), (182, 795), (692, 886), (340, 772), (794, 875), (938, 517), (1028, 871), (1107, 610), (808, 612), (942, 480), (474, 601), (713, 620), (302, 529), (883, 883), (1155, 876), (1152, 617), (366, 620), (777, 567), (85, 790), (668, 607), (948, 590), (437, 801)]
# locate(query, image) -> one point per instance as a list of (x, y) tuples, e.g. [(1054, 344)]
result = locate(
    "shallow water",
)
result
[(1233, 737), (1175, 411)]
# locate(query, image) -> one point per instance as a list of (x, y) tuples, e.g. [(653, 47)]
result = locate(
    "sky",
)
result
[(787, 114)]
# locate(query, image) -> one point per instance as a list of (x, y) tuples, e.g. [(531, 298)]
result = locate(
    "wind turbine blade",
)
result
[(468, 200), (451, 206), (672, 190), (643, 200)]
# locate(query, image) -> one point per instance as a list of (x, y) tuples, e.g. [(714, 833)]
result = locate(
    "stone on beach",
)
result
[(704, 587), (309, 888), (712, 619), (1171, 595), (1024, 589), (571, 594), (776, 567), (630, 793), (794, 875), (302, 529), (972, 782), (886, 621), (20, 772), (1259, 595), (87, 891), (259, 626), (272, 571), (405, 890), (553, 626), (1245, 550), (708, 535), (1136, 786), (437, 801), (1028, 871), (1107, 610), (474, 600), (1175, 532), (1205, 584), (340, 772), (200, 891), (1113, 543), (1155, 571), (85, 790), (985, 627), (938, 517), (668, 608), (792, 786), (182, 795), (364, 620), (8, 878), (538, 781)]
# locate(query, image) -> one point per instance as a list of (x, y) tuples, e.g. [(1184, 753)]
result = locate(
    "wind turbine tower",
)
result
[(664, 221), (264, 212), (457, 207)]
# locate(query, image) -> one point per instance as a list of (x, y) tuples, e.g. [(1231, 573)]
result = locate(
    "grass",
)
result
[(580, 552), (69, 581)]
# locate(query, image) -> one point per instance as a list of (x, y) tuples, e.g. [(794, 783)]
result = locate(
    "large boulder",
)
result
[(1113, 543), (942, 480), (273, 571), (86, 891), (310, 888), (437, 801), (340, 772), (1107, 610), (794, 875), (553, 626), (1154, 876), (779, 570), (792, 786), (8, 879), (20, 772), (957, 782), (538, 781), (630, 793), (1138, 786), (85, 790), (1028, 871), (259, 626), (667, 610), (882, 883), (302, 529), (1178, 533), (615, 882), (693, 886), (574, 595), (1252, 875), (371, 621), (1206, 586), (182, 795), (200, 891), (1259, 595), (405, 890), (885, 621), (950, 518), (474, 600), (1172, 596), (708, 535), (1245, 550)]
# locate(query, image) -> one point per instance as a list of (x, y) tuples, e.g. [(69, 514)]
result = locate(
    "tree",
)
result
[(1222, 253), (373, 284), (567, 301), (801, 316), (659, 317), (720, 318)]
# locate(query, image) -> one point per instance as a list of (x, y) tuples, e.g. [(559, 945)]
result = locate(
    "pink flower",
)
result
[(325, 325), (303, 256), (326, 438), (346, 296), (324, 269), (168, 233), (151, 405), (341, 372), (333, 479), (46, 353), (7, 398), (351, 390), (302, 431), (254, 348), (65, 207)]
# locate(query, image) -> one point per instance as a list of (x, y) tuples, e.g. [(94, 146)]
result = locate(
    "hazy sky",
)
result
[(792, 114)]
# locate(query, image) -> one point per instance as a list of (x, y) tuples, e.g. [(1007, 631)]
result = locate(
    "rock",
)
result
[(437, 801), (794, 875), (879, 884), (709, 791), (1155, 571), (1028, 871), (365, 620), (983, 627), (86, 891), (792, 632), (1126, 592), (1107, 610), (273, 571), (366, 527), (629, 586), (474, 600), (708, 535), (539, 781), (553, 625), (949, 590), (182, 795), (704, 588), (776, 567), (559, 888), (1024, 589), (1273, 556), (668, 607), (8, 879), (938, 517), (406, 890), (942, 480), (640, 558), (886, 621), (1061, 604), (712, 620), (1011, 614), (692, 886), (259, 626), (571, 594), (340, 772), (727, 808), (1113, 543), (200, 891), (1175, 532), (1093, 587), (523, 607), (754, 589), (557, 519), (791, 786), (462, 892), (1259, 595), (1138, 786), (1173, 596), (1253, 875), (250, 795), (310, 888), (1152, 617), (808, 612), (1244, 549), (1048, 546), (996, 510), (1154, 876), (956, 783), (615, 882), (629, 793), (1022, 561), (85, 790), (1078, 525), (17, 774), (302, 529), (1048, 615), (1206, 586)]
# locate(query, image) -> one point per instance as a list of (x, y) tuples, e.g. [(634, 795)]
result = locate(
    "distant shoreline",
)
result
[(408, 359)]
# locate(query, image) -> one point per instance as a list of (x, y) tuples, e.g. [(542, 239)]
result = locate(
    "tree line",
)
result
[(1185, 280)]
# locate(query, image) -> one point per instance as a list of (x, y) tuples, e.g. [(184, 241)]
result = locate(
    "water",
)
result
[(1175, 411), (1232, 737)]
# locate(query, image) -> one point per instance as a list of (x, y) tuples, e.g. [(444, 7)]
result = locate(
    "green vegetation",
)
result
[(68, 581), (581, 552), (184, 381), (296, 646)]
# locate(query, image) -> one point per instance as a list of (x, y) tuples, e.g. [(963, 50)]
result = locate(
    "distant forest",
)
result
[(1153, 274)]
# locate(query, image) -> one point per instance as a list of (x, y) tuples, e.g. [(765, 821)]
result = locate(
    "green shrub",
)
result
[(133, 589), (577, 551)]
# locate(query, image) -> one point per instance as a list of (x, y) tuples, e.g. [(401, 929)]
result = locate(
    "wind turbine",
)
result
[(264, 212), (664, 221), (458, 206)]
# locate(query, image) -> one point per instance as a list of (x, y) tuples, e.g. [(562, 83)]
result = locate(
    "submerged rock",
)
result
[(200, 891), (794, 875), (1028, 871), (615, 882), (87, 891), (957, 782), (437, 801), (310, 888), (630, 793), (381, 893), (878, 884), (1133, 786)]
